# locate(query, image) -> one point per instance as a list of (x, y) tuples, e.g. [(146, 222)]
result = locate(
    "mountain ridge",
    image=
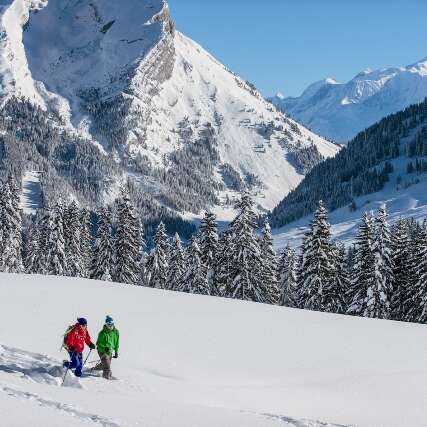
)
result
[(339, 111)]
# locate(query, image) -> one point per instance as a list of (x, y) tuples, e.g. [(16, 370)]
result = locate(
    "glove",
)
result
[(116, 355), (92, 346)]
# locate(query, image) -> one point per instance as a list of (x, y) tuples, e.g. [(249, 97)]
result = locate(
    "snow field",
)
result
[(189, 360)]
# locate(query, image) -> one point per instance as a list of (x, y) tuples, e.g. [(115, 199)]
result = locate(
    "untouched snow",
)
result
[(339, 111), (192, 361), (408, 199)]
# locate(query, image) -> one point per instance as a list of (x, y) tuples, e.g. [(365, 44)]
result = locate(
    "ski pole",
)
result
[(68, 368), (87, 357)]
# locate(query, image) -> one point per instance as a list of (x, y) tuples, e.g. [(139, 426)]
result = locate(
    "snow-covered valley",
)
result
[(189, 360)]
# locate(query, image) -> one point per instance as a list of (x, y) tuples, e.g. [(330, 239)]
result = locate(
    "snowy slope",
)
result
[(189, 361), (408, 199), (118, 73), (339, 111)]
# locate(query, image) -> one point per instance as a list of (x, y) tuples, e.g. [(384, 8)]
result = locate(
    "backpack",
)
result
[(65, 337)]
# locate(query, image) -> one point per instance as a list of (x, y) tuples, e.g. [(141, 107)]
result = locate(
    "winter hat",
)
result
[(109, 320), (81, 321)]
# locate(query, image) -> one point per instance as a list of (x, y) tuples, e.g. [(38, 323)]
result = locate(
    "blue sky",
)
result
[(287, 44)]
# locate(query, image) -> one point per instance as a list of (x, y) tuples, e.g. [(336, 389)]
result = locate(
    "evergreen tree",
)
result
[(127, 244), (209, 248), (402, 258), (176, 265), (288, 278), (32, 249), (10, 228), (269, 266), (223, 264), (195, 280), (56, 262), (338, 285), (377, 302), (102, 261), (159, 260), (73, 248), (316, 263), (86, 244), (363, 272), (245, 254)]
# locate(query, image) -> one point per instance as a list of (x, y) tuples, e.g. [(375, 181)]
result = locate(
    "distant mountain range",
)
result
[(338, 111)]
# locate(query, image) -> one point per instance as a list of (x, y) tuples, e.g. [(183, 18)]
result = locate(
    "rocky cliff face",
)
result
[(184, 128)]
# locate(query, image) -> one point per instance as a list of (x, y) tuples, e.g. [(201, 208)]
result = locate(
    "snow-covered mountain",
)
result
[(120, 75), (339, 111), (190, 361)]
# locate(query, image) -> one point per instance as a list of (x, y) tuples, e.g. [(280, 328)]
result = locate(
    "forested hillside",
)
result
[(363, 167)]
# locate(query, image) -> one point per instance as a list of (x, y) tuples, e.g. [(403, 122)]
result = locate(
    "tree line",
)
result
[(382, 275)]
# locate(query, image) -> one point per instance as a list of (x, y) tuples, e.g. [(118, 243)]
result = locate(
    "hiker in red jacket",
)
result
[(75, 344)]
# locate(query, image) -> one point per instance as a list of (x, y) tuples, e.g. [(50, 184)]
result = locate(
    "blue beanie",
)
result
[(109, 320), (81, 321)]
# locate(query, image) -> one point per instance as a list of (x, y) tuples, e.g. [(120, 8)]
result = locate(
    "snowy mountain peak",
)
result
[(118, 74), (340, 110)]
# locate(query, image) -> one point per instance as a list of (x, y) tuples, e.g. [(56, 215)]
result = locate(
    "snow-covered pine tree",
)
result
[(269, 266), (317, 262), (337, 287), (10, 228), (209, 248), (378, 295), (177, 265), (402, 258), (44, 226), (73, 248), (159, 259), (415, 306), (56, 262), (362, 275), (195, 280), (127, 244), (102, 260), (288, 278), (86, 245), (245, 269), (223, 272), (32, 248)]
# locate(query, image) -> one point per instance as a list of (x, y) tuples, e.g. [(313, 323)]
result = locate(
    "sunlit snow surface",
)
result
[(196, 361)]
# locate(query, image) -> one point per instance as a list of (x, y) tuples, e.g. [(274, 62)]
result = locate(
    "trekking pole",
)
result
[(68, 368), (87, 357)]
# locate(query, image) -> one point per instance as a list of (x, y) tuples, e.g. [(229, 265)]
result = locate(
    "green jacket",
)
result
[(108, 340)]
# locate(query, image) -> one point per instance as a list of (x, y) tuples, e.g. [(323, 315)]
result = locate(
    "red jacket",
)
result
[(77, 338)]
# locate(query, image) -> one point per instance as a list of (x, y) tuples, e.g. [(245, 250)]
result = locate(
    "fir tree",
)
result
[(269, 266), (10, 228), (195, 280), (223, 270), (245, 254), (316, 264), (363, 272), (127, 244), (209, 248), (85, 242), (56, 262), (75, 258), (176, 265), (288, 278), (338, 285), (402, 258), (159, 260), (377, 302), (102, 260)]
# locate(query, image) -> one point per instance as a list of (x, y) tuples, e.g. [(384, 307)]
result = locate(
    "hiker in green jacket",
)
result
[(107, 344)]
